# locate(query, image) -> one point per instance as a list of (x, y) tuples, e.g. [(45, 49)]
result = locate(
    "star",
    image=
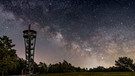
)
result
[(84, 32)]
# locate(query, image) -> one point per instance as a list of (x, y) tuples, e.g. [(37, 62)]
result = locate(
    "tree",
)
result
[(112, 69), (20, 67), (61, 67), (125, 64), (36, 68), (7, 55), (42, 68), (98, 69)]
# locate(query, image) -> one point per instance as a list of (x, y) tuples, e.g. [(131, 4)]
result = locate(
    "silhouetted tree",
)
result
[(98, 69), (125, 64), (61, 67), (20, 66), (113, 69), (7, 55), (36, 68), (78, 69), (42, 67)]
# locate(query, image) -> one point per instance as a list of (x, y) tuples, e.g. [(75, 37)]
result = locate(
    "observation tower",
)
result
[(29, 41)]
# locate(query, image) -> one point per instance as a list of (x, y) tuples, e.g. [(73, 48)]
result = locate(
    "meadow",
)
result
[(92, 74)]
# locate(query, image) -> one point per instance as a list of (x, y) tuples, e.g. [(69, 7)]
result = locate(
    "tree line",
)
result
[(11, 64), (123, 64)]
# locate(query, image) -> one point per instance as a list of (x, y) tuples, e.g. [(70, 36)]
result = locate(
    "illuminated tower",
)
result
[(29, 40)]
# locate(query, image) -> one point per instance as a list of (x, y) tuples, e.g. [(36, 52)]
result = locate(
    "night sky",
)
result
[(86, 33)]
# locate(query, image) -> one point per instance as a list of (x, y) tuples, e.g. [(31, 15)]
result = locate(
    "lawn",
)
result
[(92, 74)]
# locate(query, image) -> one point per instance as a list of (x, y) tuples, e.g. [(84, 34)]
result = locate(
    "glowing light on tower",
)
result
[(30, 41)]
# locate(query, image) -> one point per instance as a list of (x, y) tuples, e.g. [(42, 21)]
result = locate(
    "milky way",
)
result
[(86, 33)]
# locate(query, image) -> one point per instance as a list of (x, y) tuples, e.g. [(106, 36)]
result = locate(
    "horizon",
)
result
[(86, 33)]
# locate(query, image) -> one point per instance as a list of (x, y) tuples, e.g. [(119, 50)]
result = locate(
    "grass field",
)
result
[(92, 74)]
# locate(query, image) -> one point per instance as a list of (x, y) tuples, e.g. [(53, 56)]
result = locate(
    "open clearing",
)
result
[(92, 74)]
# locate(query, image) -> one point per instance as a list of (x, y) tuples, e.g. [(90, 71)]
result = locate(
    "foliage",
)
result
[(10, 63), (61, 67), (125, 64), (42, 68), (91, 74), (7, 55), (20, 66), (98, 69)]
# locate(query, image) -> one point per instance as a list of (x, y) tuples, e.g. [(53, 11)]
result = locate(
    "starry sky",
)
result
[(86, 33)]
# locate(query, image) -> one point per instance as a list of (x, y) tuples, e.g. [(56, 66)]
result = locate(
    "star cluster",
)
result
[(87, 33)]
